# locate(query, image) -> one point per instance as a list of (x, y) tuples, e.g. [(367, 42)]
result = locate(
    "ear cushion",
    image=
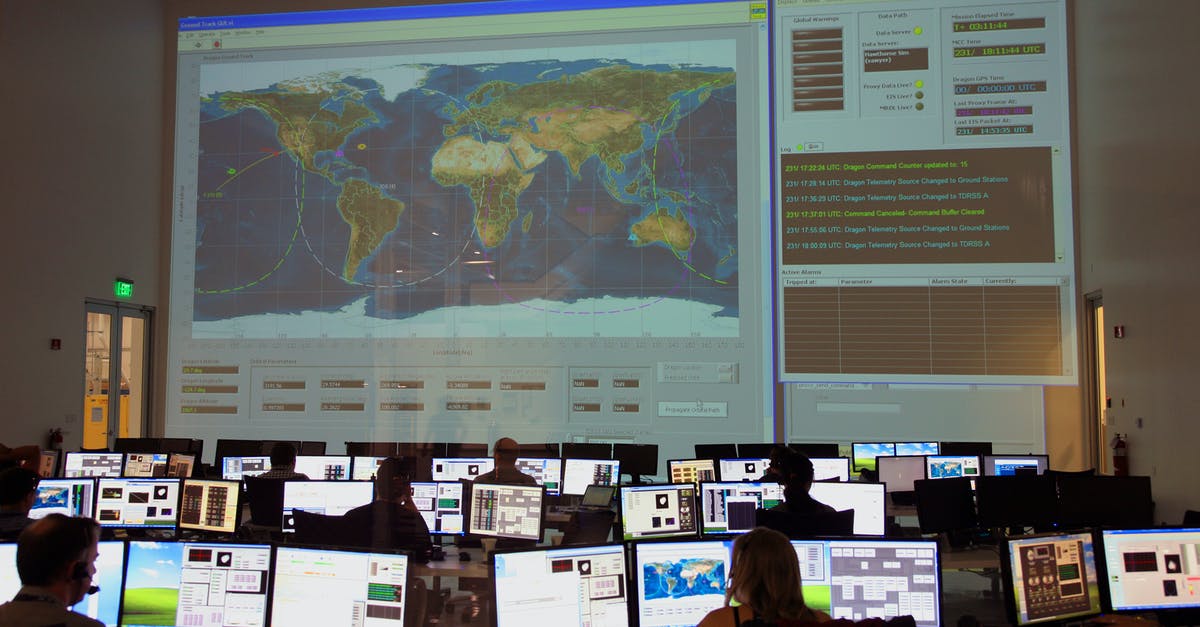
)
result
[(80, 571)]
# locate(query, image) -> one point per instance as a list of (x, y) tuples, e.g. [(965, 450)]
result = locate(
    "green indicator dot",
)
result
[(919, 84), (918, 30), (799, 147), (231, 171)]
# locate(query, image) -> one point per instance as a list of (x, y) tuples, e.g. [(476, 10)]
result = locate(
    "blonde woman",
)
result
[(764, 580)]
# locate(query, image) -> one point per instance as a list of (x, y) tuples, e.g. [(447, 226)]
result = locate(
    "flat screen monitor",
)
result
[(587, 450), (328, 587), (362, 467), (578, 474), (728, 507), (945, 504), (324, 467), (598, 496), (145, 465), (864, 578), (441, 505), (691, 470), (506, 511), (659, 511), (866, 499), (755, 449), (47, 464), (210, 505), (69, 497), (1050, 578), (564, 586), (547, 471), (636, 459), (715, 451), (196, 583), (1005, 465), (332, 498), (816, 449), (539, 449), (916, 448), (1015, 501), (180, 464), (678, 583), (461, 468), (238, 468), (94, 464), (830, 468), (950, 466), (1152, 569), (742, 468), (898, 473), (137, 503), (103, 606), (1087, 501), (965, 448), (863, 454)]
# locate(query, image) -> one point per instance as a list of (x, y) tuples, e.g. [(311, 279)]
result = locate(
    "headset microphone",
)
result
[(93, 590)]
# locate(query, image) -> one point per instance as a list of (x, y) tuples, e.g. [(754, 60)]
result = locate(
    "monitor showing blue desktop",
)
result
[(196, 583), (863, 454)]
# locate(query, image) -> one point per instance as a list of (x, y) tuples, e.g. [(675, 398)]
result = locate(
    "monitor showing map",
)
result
[(679, 582)]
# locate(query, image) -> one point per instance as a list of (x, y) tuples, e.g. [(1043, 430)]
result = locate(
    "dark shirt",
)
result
[(803, 504), (506, 476), (12, 523), (389, 525)]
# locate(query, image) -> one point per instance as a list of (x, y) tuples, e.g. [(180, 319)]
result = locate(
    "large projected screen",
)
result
[(924, 230), (414, 223)]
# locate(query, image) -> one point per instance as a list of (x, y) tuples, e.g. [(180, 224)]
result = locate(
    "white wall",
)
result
[(80, 172), (1138, 139)]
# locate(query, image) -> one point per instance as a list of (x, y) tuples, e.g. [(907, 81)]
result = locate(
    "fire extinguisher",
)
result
[(1120, 449), (55, 439)]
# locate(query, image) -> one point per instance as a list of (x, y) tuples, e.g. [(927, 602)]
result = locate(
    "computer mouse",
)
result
[(464, 557)]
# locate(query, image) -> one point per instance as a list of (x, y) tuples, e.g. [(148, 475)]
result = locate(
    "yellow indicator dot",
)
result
[(362, 146), (919, 84), (918, 30)]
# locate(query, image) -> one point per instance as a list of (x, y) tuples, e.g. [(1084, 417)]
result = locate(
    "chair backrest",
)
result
[(265, 497), (311, 448), (312, 528), (945, 504), (589, 527), (800, 526)]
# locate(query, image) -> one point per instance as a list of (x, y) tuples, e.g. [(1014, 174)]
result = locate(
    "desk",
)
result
[(477, 568)]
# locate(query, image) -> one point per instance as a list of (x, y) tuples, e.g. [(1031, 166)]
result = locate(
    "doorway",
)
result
[(1098, 403), (116, 366)]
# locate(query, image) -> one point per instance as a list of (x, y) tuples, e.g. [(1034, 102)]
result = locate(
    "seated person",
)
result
[(774, 458), (392, 520), (18, 489), (505, 452), (283, 463), (56, 560), (796, 474)]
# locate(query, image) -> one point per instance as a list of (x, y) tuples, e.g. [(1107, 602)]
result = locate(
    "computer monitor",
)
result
[(965, 448), (866, 499), (1050, 578), (678, 583), (637, 460), (196, 583), (332, 498), (1088, 501), (47, 464), (916, 448), (327, 587), (1152, 569), (441, 505), (69, 497), (715, 451), (816, 449), (581, 585), (1016, 501), (240, 448), (180, 464), (587, 450), (130, 503), (547, 471), (578, 474), (855, 579), (466, 449), (539, 449), (945, 505), (898, 473), (729, 506), (863, 454), (145, 465), (691, 470), (103, 606), (742, 468), (324, 467), (830, 468), (362, 467), (506, 511), (461, 468), (238, 468), (949, 466), (210, 505), (598, 496), (659, 511), (1005, 465), (94, 464)]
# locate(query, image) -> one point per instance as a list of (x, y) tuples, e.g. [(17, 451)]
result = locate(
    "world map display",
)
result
[(531, 190), (683, 578)]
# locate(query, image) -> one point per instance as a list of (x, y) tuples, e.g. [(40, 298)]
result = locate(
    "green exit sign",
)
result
[(122, 288)]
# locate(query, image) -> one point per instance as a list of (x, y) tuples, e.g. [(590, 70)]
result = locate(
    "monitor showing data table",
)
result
[(329, 587), (196, 583), (210, 505), (238, 468), (324, 467), (659, 511), (146, 464), (94, 464), (180, 465), (691, 470), (441, 505), (506, 511), (363, 467), (582, 585)]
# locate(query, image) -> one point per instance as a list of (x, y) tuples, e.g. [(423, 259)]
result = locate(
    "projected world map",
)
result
[(589, 197)]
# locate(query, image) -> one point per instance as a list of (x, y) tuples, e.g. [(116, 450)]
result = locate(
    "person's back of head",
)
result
[(505, 451), (283, 454), (54, 549), (393, 479), (796, 469), (764, 574), (17, 488)]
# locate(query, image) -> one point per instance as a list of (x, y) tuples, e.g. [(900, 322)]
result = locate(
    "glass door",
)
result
[(116, 373), (1097, 394)]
